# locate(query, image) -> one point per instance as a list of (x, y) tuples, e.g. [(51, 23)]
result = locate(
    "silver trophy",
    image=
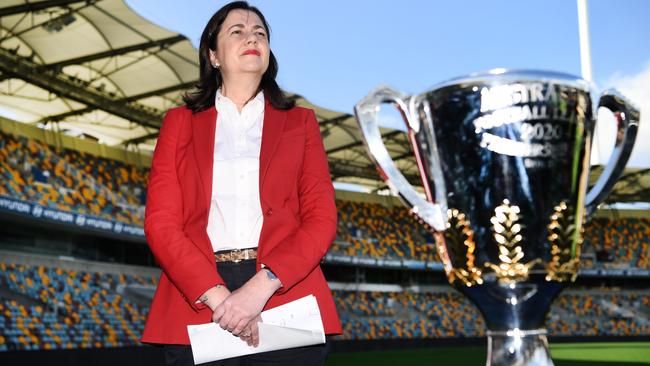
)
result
[(504, 161)]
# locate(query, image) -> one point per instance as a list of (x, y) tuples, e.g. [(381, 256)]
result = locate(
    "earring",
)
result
[(216, 66)]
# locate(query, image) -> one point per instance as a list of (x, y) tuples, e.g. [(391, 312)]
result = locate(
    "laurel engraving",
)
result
[(561, 230), (461, 246), (507, 232)]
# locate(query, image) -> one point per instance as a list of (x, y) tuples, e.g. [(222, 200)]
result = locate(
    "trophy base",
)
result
[(518, 348)]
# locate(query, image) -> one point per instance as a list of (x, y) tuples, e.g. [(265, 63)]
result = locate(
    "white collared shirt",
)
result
[(235, 217)]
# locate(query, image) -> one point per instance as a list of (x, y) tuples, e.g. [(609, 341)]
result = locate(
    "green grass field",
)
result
[(564, 354)]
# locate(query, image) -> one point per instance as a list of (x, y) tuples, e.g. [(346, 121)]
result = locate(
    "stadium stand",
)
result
[(79, 182), (376, 231), (392, 315), (70, 180), (53, 307), (601, 312), (625, 241), (385, 315), (69, 309)]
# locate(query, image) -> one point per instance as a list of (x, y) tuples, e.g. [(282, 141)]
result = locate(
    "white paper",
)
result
[(295, 324)]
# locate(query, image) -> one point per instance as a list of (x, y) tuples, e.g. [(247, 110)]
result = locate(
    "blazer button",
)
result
[(269, 211)]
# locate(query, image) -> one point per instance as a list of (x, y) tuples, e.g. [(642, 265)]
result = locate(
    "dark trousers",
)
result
[(235, 275)]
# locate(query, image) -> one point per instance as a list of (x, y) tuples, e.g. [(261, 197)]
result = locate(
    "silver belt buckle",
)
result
[(232, 256)]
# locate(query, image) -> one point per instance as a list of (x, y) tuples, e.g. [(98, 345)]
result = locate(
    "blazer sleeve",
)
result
[(179, 258), (294, 258)]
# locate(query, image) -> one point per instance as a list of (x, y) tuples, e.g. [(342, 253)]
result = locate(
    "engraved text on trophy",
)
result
[(538, 116)]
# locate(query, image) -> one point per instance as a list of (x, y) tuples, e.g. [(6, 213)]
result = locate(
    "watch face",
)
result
[(271, 275)]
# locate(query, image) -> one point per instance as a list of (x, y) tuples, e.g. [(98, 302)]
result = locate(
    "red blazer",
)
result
[(297, 199)]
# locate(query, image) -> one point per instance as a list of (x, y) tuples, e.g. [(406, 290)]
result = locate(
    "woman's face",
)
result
[(242, 45)]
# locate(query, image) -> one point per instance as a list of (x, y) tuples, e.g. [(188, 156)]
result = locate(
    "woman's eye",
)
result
[(236, 32), (261, 34)]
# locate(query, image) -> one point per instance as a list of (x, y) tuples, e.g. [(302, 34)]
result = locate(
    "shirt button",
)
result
[(269, 211)]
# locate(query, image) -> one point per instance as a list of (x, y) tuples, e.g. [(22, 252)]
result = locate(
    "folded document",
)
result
[(295, 324)]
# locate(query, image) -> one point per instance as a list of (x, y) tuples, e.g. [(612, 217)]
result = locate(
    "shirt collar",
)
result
[(220, 102)]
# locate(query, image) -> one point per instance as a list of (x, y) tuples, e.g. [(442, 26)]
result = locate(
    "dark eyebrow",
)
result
[(242, 26), (236, 25)]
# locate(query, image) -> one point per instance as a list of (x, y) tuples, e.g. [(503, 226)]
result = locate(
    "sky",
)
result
[(335, 52)]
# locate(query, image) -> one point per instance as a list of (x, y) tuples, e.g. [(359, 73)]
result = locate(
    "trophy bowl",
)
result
[(504, 160)]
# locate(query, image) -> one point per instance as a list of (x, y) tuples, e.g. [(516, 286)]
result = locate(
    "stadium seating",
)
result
[(75, 181), (627, 241), (601, 313), (67, 309), (372, 230), (390, 315), (379, 232), (54, 308), (70, 180)]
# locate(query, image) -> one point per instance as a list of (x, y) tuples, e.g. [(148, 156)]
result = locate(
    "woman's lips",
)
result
[(252, 52)]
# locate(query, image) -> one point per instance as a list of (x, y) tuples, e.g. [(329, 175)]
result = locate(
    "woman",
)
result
[(240, 206)]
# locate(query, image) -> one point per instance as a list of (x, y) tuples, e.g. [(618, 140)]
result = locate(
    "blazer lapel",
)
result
[(203, 129), (274, 121)]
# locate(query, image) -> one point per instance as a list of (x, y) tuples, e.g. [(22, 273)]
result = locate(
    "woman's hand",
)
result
[(251, 333), (245, 304)]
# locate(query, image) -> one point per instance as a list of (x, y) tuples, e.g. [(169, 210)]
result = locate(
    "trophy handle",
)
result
[(366, 113), (627, 117)]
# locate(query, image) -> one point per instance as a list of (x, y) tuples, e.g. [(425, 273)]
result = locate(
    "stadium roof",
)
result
[(633, 186), (98, 70), (93, 68)]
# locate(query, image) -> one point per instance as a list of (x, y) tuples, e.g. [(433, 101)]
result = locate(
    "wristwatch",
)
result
[(270, 274)]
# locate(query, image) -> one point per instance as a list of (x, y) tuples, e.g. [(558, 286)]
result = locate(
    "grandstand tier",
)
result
[(55, 305), (67, 187)]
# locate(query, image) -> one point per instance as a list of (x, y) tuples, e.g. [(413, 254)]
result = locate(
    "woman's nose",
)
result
[(251, 38)]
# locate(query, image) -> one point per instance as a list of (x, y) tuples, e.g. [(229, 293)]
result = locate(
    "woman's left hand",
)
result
[(251, 333), (245, 304)]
